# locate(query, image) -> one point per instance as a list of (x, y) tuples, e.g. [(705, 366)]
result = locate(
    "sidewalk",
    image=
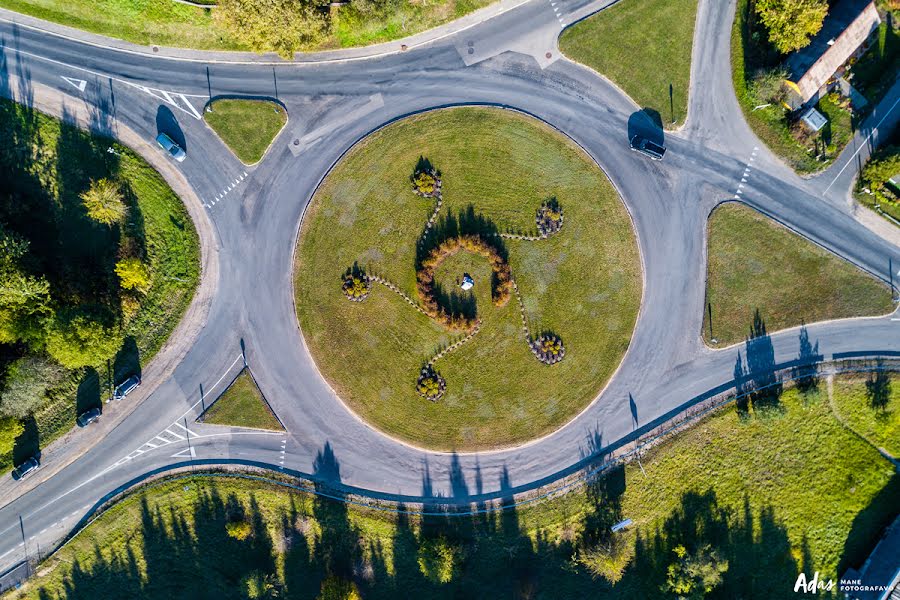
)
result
[(329, 56)]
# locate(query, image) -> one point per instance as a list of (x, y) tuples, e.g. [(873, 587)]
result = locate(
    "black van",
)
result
[(652, 149)]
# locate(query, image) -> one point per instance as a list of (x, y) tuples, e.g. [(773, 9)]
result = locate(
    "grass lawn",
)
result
[(755, 263), (854, 397), (242, 405), (170, 23), (644, 46), (775, 495), (246, 126), (46, 166), (583, 282)]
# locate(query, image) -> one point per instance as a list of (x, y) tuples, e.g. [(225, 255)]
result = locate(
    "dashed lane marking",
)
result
[(228, 187), (745, 175)]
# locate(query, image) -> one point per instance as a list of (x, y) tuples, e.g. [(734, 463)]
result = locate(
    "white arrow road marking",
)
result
[(79, 83), (183, 453)]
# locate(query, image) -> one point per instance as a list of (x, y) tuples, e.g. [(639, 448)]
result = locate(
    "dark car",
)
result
[(25, 468), (169, 145), (126, 387), (647, 147), (88, 417)]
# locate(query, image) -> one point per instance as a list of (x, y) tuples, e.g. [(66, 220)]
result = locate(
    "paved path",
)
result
[(714, 158)]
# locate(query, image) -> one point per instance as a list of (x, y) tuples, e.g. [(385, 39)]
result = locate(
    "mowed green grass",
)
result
[(246, 126), (145, 22), (776, 496), (584, 282), (881, 427), (754, 263), (644, 47), (171, 23), (242, 405)]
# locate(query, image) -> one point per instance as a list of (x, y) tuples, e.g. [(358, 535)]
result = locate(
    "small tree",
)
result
[(24, 298), (438, 559), (338, 588), (239, 530), (791, 23), (27, 383), (78, 340), (103, 202), (693, 576), (884, 165), (10, 429), (133, 274), (282, 26), (768, 85)]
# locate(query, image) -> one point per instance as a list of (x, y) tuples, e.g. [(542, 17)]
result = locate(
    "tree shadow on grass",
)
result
[(869, 524), (127, 361)]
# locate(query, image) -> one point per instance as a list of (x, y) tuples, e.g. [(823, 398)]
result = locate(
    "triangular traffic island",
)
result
[(242, 405), (755, 264), (247, 126)]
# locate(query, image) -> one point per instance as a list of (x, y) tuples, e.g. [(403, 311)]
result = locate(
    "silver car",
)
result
[(25, 468), (169, 145), (126, 387)]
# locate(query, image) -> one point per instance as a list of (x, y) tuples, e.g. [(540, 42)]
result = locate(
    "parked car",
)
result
[(88, 417), (25, 468), (647, 147), (169, 145), (126, 387)]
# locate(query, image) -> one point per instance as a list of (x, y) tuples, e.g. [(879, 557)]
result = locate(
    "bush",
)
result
[(336, 588), (27, 383), (133, 274), (608, 558), (791, 23), (103, 202), (282, 26), (424, 183), (77, 339), (239, 530), (24, 299), (695, 575), (768, 85), (884, 165), (438, 559), (10, 429)]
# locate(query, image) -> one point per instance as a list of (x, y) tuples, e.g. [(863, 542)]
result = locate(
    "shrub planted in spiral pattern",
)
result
[(501, 278)]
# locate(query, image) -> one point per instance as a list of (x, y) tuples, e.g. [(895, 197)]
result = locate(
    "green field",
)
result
[(246, 126), (583, 282), (170, 23), (754, 263), (644, 47), (242, 405), (775, 496), (46, 165), (871, 406)]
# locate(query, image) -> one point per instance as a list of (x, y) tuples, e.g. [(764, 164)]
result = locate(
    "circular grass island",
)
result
[(467, 279)]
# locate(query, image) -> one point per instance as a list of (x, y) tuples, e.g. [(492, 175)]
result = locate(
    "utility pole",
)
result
[(24, 545), (187, 432)]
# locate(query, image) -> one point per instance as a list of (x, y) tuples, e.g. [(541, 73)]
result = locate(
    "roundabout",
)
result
[(491, 355)]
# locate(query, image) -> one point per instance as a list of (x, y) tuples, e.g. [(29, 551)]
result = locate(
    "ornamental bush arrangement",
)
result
[(549, 217), (355, 284), (426, 179), (430, 385), (548, 348)]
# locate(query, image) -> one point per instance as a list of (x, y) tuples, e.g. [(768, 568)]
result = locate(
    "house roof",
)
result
[(848, 24)]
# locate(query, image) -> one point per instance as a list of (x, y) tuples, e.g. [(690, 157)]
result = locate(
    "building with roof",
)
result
[(844, 35)]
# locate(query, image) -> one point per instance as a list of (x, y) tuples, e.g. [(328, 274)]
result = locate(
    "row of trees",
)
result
[(59, 334)]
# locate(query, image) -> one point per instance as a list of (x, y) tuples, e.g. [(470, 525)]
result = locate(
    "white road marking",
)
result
[(862, 145), (181, 454), (78, 83), (172, 433), (186, 429)]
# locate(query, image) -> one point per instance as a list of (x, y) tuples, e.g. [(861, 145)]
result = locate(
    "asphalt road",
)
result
[(333, 105)]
